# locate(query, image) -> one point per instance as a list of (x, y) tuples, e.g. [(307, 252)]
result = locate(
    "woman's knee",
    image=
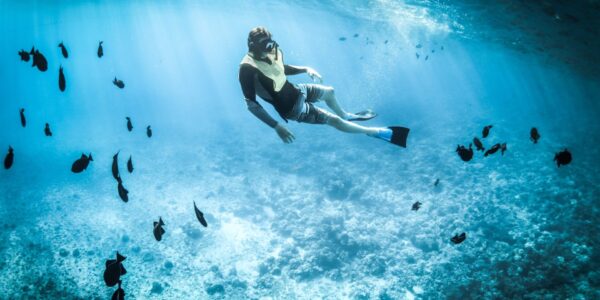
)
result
[(328, 93), (335, 121)]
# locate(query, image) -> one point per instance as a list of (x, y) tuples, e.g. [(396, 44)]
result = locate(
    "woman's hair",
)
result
[(254, 36)]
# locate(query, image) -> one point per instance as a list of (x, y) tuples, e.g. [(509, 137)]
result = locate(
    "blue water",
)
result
[(329, 216)]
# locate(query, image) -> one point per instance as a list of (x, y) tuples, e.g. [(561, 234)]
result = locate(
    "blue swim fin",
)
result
[(399, 135), (394, 134)]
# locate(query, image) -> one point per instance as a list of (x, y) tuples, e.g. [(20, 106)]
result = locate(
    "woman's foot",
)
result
[(361, 116), (383, 133)]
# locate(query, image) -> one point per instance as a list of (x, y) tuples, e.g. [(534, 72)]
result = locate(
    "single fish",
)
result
[(478, 144), (129, 125), (23, 120), (100, 50), (158, 230), (356, 35), (39, 60), (115, 166), (486, 131), (419, 46), (123, 192), (457, 239), (24, 55), (437, 181), (464, 153), (62, 84), (417, 55), (342, 38), (130, 165), (47, 131), (63, 50), (492, 150), (200, 216), (82, 163), (119, 83), (416, 206), (563, 158), (9, 159), (149, 131), (534, 135), (114, 270)]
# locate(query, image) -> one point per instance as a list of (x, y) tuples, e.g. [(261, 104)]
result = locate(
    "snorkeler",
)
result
[(263, 73)]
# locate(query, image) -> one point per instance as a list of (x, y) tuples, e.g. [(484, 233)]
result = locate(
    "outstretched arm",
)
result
[(293, 70)]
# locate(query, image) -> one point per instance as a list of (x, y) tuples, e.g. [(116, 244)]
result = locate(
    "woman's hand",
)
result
[(285, 135), (316, 77)]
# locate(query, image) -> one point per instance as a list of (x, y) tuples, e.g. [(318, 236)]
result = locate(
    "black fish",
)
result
[(115, 166), (563, 158), (82, 163), (23, 120), (47, 131), (24, 55), (356, 35), (416, 206), (342, 38), (149, 131), (418, 46), (503, 148), (130, 165), (426, 57), (417, 55), (65, 54), (534, 135), (119, 294), (100, 50), (200, 216), (437, 181), (119, 83), (39, 60), (492, 150), (62, 84), (114, 270), (464, 153), (457, 239), (478, 144), (129, 125), (9, 159), (123, 193), (158, 230), (486, 131)]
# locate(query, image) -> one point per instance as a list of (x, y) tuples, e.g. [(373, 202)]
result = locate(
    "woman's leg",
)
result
[(350, 127)]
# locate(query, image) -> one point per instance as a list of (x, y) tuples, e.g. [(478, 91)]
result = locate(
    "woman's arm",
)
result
[(293, 70)]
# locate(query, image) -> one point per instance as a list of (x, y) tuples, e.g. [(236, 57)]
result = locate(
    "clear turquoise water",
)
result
[(328, 216)]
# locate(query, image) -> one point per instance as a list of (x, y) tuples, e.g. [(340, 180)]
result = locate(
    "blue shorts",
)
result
[(304, 110)]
